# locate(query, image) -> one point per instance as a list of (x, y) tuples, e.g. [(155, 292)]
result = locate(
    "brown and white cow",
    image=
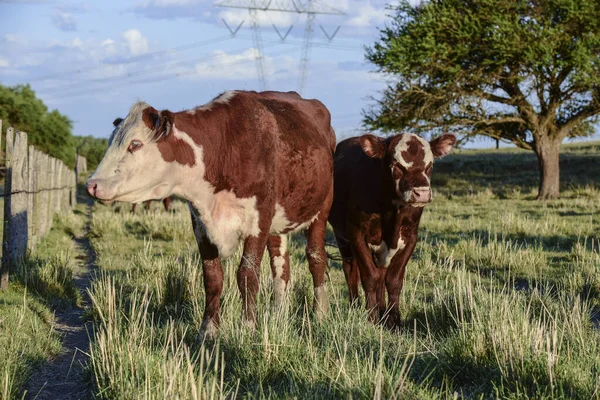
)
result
[(381, 187), (253, 167)]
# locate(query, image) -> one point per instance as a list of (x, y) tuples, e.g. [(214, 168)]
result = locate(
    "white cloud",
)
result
[(64, 22), (241, 66), (368, 16), (4, 62), (135, 41)]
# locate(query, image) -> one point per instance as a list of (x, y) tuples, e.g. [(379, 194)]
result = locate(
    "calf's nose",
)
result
[(92, 186), (421, 195)]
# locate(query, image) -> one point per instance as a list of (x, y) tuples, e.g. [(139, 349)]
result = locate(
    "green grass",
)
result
[(37, 286), (501, 300)]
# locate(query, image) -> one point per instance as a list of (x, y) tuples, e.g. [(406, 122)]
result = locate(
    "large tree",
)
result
[(48, 131), (525, 72)]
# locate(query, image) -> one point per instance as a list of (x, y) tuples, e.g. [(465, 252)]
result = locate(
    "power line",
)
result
[(165, 77), (67, 88), (311, 8), (133, 59)]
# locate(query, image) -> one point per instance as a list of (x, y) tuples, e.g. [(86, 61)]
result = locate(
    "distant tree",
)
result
[(522, 71), (92, 149), (48, 131)]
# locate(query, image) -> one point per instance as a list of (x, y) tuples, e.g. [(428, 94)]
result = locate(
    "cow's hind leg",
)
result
[(317, 263), (350, 268), (248, 275), (280, 266), (166, 203)]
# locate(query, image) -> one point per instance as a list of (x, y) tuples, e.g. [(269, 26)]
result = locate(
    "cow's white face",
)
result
[(409, 160), (133, 168)]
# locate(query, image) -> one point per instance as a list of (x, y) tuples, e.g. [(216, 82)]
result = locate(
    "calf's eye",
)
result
[(134, 146), (429, 169)]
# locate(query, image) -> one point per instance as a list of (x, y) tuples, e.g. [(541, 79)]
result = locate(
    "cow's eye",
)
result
[(134, 146), (429, 169)]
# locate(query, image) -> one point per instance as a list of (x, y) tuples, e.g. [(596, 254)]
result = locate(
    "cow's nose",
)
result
[(421, 195), (92, 186)]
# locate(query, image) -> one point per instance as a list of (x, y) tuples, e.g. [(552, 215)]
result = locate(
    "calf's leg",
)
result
[(369, 276), (350, 268), (394, 280)]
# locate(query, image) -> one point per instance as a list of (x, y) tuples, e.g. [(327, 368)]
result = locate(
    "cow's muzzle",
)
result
[(97, 191), (417, 196)]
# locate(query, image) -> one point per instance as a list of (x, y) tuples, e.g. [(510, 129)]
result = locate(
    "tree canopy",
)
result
[(48, 131), (525, 72)]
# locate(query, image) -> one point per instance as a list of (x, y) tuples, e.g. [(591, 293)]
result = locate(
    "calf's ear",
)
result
[(372, 145), (442, 145), (117, 121)]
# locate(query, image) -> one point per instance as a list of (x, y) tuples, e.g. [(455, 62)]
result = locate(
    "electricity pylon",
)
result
[(309, 7)]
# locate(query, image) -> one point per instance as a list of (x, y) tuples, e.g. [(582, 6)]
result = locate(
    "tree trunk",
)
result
[(548, 152)]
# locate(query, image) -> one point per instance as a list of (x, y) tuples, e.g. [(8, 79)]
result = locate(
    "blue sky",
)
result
[(91, 60)]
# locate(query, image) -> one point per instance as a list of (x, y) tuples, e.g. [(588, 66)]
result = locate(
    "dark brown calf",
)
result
[(166, 203), (381, 187)]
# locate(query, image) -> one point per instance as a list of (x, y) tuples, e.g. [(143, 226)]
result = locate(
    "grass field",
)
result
[(39, 286), (501, 300)]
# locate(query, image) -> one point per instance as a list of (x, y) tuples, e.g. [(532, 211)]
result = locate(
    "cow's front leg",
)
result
[(212, 272), (394, 280), (317, 263), (248, 275), (280, 266)]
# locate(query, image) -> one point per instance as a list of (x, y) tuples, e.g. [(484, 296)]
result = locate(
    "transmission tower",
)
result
[(311, 8)]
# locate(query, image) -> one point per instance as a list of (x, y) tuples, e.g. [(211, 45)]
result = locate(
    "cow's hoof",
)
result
[(321, 303), (250, 324), (208, 331)]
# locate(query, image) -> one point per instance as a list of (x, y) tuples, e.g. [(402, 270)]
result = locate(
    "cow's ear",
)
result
[(117, 121), (442, 145), (165, 124), (372, 145), (150, 118)]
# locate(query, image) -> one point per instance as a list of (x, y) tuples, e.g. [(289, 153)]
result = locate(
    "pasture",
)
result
[(501, 300)]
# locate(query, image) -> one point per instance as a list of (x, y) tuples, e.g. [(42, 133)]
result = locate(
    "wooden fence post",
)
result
[(43, 193), (30, 198), (37, 196), (4, 269), (48, 196), (52, 193), (18, 226), (73, 190)]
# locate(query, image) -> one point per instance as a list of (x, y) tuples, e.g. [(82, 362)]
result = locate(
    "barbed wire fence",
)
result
[(36, 187)]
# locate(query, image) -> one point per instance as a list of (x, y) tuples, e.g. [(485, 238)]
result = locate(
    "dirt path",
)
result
[(63, 378)]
